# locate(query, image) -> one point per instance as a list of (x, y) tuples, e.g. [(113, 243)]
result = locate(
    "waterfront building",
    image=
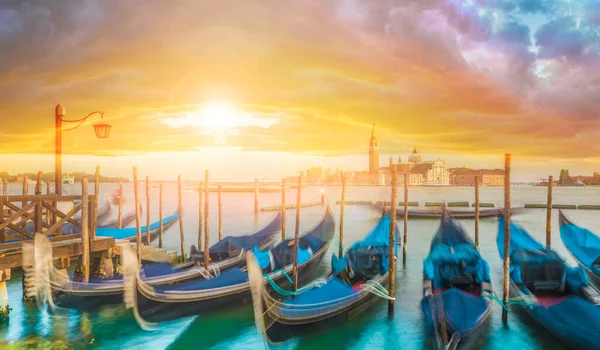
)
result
[(365, 178), (466, 177)]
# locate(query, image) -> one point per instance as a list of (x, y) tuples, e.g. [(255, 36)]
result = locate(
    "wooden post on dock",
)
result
[(38, 217), (200, 215), (506, 235), (4, 187), (180, 211), (343, 205), (283, 211), (297, 232), (147, 211), (256, 186), (206, 227), (477, 212), (220, 215), (405, 238), (549, 215), (25, 189), (85, 225), (25, 192), (38, 184), (120, 218), (138, 232), (392, 241), (160, 216), (96, 201)]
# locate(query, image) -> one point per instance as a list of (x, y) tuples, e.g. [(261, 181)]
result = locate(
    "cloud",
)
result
[(303, 76)]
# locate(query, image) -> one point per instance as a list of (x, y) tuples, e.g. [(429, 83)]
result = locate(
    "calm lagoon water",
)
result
[(115, 328)]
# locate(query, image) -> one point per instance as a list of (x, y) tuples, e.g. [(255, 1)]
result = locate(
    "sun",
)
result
[(218, 117)]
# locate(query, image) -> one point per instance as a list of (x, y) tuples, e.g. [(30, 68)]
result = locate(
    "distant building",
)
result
[(373, 153), (364, 178), (429, 173), (466, 177)]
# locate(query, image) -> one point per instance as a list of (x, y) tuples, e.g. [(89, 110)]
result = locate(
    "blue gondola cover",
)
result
[(461, 310), (583, 244), (246, 242)]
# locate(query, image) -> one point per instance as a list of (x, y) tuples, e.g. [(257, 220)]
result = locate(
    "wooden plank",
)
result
[(61, 214), (62, 220), (63, 249), (20, 230), (32, 197), (8, 247), (19, 212)]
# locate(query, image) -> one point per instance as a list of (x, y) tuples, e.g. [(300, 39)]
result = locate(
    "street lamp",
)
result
[(101, 129)]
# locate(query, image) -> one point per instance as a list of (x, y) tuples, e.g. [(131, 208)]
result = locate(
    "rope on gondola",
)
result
[(376, 289), (316, 283)]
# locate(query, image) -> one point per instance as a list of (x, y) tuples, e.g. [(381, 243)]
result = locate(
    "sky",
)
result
[(250, 88)]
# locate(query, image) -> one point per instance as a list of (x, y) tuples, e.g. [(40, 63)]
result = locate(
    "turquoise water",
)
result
[(115, 328)]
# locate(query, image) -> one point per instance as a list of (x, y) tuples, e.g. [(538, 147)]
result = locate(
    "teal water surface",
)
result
[(112, 327)]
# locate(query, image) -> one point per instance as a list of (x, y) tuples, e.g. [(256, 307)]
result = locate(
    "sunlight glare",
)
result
[(220, 117)]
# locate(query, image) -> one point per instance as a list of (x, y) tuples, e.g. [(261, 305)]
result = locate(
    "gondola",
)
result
[(129, 233), (558, 297), (231, 287), (127, 218), (456, 282), (350, 288), (437, 212), (584, 247), (71, 293), (104, 211)]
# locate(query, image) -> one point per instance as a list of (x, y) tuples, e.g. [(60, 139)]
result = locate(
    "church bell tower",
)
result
[(373, 153)]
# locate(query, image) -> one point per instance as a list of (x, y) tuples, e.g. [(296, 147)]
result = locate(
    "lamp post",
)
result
[(101, 129)]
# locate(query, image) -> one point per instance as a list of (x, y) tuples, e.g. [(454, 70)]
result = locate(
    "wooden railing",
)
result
[(17, 211)]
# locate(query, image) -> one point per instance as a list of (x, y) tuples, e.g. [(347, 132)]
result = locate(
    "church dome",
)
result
[(414, 157)]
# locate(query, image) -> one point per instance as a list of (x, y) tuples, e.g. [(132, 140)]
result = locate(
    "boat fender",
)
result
[(272, 260), (487, 287), (427, 287)]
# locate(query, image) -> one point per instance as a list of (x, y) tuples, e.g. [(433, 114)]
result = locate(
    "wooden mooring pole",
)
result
[(343, 205), (120, 218), (283, 211), (180, 211), (147, 211), (138, 232), (206, 216), (85, 239), (477, 212), (392, 255), (506, 288), (161, 228), (220, 214), (4, 187), (549, 215), (405, 237), (200, 215), (297, 232)]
